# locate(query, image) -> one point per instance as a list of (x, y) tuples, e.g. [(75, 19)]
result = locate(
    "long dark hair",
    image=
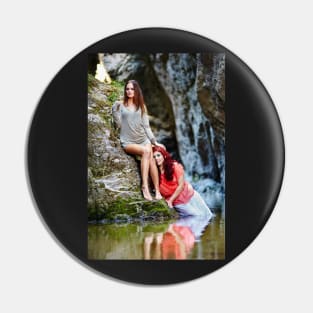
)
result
[(168, 162), (138, 97)]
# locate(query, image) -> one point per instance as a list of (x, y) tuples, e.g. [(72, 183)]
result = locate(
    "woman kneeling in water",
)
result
[(175, 189)]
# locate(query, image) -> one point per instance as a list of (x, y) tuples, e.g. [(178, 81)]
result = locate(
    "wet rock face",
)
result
[(195, 86), (111, 172), (105, 155), (210, 87)]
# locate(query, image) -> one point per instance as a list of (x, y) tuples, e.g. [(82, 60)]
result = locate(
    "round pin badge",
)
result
[(155, 156)]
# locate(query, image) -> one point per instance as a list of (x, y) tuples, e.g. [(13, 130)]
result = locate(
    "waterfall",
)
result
[(195, 138), (194, 133)]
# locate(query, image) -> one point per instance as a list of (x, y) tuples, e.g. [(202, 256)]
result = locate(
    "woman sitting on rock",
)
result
[(175, 189), (135, 134)]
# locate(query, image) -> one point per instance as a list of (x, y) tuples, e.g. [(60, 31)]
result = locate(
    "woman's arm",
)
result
[(177, 191), (146, 126), (116, 112), (148, 131)]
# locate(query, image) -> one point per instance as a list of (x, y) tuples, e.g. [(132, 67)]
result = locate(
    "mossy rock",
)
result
[(114, 187), (132, 210)]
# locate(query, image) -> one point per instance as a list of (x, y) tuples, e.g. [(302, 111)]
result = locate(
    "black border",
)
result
[(57, 158)]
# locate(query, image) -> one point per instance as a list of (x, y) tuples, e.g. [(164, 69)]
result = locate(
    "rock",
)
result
[(113, 176)]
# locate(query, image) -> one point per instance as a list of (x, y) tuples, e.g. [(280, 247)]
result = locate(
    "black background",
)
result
[(57, 155)]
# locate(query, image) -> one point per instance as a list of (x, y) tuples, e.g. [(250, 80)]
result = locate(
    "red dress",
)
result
[(167, 188), (178, 243)]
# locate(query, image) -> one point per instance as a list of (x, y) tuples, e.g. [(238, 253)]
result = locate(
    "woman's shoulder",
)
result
[(176, 163), (178, 167), (145, 110), (118, 102), (117, 105)]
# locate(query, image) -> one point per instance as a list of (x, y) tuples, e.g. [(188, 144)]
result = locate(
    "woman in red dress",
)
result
[(177, 192)]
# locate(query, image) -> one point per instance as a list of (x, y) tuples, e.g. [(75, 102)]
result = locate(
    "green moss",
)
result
[(125, 210), (113, 91), (116, 91), (118, 84), (99, 103), (92, 83), (154, 205)]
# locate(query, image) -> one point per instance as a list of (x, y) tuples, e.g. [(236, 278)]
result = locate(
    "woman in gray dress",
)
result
[(136, 136)]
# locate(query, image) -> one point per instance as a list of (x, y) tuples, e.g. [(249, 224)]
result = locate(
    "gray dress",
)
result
[(134, 128)]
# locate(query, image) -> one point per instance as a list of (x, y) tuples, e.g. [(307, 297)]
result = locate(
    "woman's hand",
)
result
[(177, 191), (160, 145), (170, 203)]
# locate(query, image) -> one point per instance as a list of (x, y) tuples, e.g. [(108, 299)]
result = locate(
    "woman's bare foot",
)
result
[(158, 195), (146, 193)]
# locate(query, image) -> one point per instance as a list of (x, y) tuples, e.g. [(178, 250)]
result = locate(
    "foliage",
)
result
[(116, 91)]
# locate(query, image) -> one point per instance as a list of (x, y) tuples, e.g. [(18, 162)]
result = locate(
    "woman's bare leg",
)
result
[(155, 177), (145, 153)]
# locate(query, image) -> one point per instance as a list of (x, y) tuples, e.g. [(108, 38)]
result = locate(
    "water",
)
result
[(190, 238)]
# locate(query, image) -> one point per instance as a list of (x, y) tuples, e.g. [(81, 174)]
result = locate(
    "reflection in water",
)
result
[(178, 240), (187, 238)]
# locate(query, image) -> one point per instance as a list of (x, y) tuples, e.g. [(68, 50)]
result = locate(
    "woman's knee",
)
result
[(146, 152)]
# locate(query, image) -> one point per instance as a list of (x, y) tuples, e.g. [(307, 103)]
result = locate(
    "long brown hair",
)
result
[(168, 162), (138, 97)]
